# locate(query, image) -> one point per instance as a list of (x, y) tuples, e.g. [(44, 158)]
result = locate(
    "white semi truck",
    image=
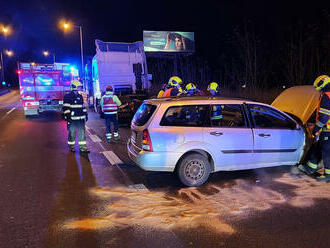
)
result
[(124, 67)]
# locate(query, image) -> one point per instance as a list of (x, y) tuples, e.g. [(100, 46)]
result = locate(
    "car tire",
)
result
[(194, 170)]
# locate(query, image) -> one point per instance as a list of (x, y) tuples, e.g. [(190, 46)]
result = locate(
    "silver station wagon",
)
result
[(195, 136)]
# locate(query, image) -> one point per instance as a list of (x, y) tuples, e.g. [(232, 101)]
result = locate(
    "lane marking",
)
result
[(8, 113), (138, 187), (95, 138), (112, 157)]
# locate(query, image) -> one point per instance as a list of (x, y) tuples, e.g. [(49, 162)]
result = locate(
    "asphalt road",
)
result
[(50, 197)]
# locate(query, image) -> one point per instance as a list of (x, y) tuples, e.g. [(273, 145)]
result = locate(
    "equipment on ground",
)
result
[(43, 86)]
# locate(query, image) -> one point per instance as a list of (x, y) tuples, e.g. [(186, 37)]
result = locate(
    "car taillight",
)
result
[(146, 141), (28, 104)]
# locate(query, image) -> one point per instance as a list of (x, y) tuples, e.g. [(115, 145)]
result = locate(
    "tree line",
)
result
[(249, 60)]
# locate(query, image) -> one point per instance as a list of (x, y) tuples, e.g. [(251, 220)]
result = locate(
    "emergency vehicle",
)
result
[(43, 86)]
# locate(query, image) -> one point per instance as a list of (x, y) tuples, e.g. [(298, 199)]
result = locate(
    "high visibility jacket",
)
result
[(160, 93), (74, 108), (171, 92), (323, 115), (110, 103)]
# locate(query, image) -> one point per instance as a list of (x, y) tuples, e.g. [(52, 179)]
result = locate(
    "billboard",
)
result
[(168, 41)]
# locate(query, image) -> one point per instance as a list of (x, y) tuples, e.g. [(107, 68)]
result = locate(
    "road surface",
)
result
[(50, 197)]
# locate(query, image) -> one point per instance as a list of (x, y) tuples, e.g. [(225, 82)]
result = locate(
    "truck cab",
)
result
[(121, 65)]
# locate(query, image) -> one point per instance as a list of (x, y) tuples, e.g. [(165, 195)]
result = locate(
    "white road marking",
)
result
[(95, 138), (8, 113), (139, 187), (112, 157)]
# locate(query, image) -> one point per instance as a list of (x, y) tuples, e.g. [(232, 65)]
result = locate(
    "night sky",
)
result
[(35, 23)]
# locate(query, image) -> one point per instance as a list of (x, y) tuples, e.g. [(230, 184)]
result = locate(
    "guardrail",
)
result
[(4, 91)]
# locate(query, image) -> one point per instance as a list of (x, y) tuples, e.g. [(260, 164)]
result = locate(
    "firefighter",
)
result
[(174, 87), (76, 116), (321, 150), (191, 89), (110, 103), (161, 92), (213, 89)]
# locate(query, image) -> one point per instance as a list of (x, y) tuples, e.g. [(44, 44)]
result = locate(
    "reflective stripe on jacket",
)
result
[(323, 114), (110, 103), (109, 106), (73, 107)]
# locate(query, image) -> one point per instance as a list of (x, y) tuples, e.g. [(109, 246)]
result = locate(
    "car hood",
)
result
[(300, 101)]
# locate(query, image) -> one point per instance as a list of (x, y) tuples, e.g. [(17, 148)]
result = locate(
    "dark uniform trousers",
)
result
[(320, 150)]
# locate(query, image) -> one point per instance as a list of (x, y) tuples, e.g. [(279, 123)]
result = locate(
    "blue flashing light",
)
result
[(4, 83), (45, 81), (74, 71)]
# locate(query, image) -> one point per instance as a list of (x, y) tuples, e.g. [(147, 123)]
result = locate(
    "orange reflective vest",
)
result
[(167, 93), (109, 106)]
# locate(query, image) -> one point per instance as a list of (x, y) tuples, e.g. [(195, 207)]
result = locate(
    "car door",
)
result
[(229, 137), (277, 138)]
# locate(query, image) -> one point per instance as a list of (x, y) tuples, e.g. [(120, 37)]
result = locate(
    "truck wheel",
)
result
[(194, 170)]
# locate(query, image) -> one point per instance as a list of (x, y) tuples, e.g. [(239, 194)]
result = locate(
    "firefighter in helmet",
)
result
[(191, 89), (321, 149), (110, 103), (163, 89), (213, 89), (76, 116), (174, 87)]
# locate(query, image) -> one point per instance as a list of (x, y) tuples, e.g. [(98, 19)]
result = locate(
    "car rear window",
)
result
[(188, 116), (143, 114)]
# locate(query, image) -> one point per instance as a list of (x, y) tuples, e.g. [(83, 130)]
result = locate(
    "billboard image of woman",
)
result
[(165, 41)]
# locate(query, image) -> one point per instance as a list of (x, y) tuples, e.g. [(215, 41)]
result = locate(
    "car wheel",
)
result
[(194, 170)]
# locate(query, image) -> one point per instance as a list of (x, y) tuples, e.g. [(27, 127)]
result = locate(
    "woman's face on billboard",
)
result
[(178, 43)]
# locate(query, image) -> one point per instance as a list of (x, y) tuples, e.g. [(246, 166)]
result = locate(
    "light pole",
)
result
[(5, 30), (66, 27), (9, 54)]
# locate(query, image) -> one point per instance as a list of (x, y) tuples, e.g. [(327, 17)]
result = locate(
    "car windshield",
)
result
[(143, 114)]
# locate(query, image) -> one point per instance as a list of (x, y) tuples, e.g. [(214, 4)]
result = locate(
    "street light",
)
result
[(46, 54), (5, 30), (67, 26), (9, 53)]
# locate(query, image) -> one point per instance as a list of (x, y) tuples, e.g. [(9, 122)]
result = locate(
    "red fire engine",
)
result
[(43, 86)]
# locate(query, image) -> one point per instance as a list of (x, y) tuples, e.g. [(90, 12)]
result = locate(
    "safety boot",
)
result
[(108, 136), (323, 178), (71, 148), (116, 136), (83, 149), (307, 168)]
